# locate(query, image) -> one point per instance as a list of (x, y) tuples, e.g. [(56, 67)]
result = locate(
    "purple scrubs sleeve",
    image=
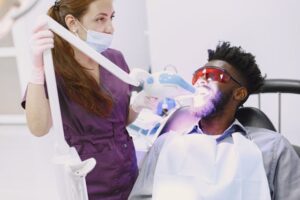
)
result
[(105, 139)]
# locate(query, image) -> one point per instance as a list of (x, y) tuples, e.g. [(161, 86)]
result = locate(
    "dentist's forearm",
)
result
[(37, 110), (131, 116)]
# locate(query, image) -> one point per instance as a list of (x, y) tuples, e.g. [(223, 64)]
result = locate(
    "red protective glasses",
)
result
[(214, 74)]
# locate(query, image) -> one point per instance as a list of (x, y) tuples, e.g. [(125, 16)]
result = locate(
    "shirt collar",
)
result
[(236, 126)]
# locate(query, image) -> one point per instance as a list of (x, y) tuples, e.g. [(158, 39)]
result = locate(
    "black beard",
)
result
[(214, 105)]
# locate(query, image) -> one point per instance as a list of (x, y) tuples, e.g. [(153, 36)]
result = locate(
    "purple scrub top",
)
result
[(105, 139)]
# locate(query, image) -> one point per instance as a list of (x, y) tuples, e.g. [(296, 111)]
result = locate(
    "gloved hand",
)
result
[(142, 100), (41, 40), (164, 106)]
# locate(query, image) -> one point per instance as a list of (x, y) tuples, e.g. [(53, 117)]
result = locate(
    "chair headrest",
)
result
[(250, 116)]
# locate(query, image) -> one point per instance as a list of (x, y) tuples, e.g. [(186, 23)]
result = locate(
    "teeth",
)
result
[(202, 90), (198, 100)]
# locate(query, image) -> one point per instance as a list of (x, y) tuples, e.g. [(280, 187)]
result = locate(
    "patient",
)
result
[(217, 157)]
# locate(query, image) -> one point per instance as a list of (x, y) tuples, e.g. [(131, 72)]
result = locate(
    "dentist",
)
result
[(94, 103)]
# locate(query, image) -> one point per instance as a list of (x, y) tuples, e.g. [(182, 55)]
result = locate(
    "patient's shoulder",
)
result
[(262, 134), (267, 140)]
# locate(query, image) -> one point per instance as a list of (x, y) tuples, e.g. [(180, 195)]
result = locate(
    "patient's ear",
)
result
[(240, 93)]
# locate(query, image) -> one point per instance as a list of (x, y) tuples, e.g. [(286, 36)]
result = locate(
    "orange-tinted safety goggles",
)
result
[(213, 74)]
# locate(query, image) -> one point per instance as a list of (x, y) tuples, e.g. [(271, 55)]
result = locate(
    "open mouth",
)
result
[(203, 90), (202, 95)]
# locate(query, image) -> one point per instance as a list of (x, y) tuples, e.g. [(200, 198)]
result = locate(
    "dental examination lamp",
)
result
[(162, 84)]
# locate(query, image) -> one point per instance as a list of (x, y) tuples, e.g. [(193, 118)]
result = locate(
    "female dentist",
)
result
[(94, 103)]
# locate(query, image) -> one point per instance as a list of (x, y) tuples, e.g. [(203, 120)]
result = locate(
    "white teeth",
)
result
[(201, 96), (202, 90), (199, 100)]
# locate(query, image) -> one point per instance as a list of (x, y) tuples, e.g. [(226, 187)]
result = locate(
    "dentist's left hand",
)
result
[(41, 40)]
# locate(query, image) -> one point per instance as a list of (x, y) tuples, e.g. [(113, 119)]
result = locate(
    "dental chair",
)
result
[(251, 116)]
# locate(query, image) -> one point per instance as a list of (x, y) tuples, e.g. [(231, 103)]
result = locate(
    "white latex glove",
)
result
[(140, 75), (141, 100), (41, 40)]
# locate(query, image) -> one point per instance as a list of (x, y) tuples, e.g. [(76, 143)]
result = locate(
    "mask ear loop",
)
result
[(81, 25), (75, 33)]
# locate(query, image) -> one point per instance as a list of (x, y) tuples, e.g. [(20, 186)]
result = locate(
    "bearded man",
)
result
[(217, 157)]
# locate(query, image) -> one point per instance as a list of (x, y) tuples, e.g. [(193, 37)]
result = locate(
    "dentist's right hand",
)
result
[(41, 40)]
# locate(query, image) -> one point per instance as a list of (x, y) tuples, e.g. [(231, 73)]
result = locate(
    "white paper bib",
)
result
[(195, 167)]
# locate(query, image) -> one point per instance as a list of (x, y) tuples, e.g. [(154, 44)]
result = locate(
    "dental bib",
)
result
[(195, 167)]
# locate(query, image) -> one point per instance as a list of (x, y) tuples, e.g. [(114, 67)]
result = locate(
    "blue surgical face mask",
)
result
[(97, 40)]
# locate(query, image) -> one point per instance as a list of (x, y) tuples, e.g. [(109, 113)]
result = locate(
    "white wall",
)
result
[(130, 32), (180, 33), (26, 169)]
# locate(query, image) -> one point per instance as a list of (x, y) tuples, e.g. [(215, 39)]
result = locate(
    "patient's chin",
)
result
[(204, 110)]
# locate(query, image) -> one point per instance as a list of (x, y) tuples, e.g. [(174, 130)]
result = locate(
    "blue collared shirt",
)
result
[(234, 127)]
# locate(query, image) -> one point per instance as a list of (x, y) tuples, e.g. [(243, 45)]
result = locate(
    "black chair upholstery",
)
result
[(280, 86), (250, 116)]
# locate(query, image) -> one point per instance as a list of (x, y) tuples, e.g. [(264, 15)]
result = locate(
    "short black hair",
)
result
[(242, 61)]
